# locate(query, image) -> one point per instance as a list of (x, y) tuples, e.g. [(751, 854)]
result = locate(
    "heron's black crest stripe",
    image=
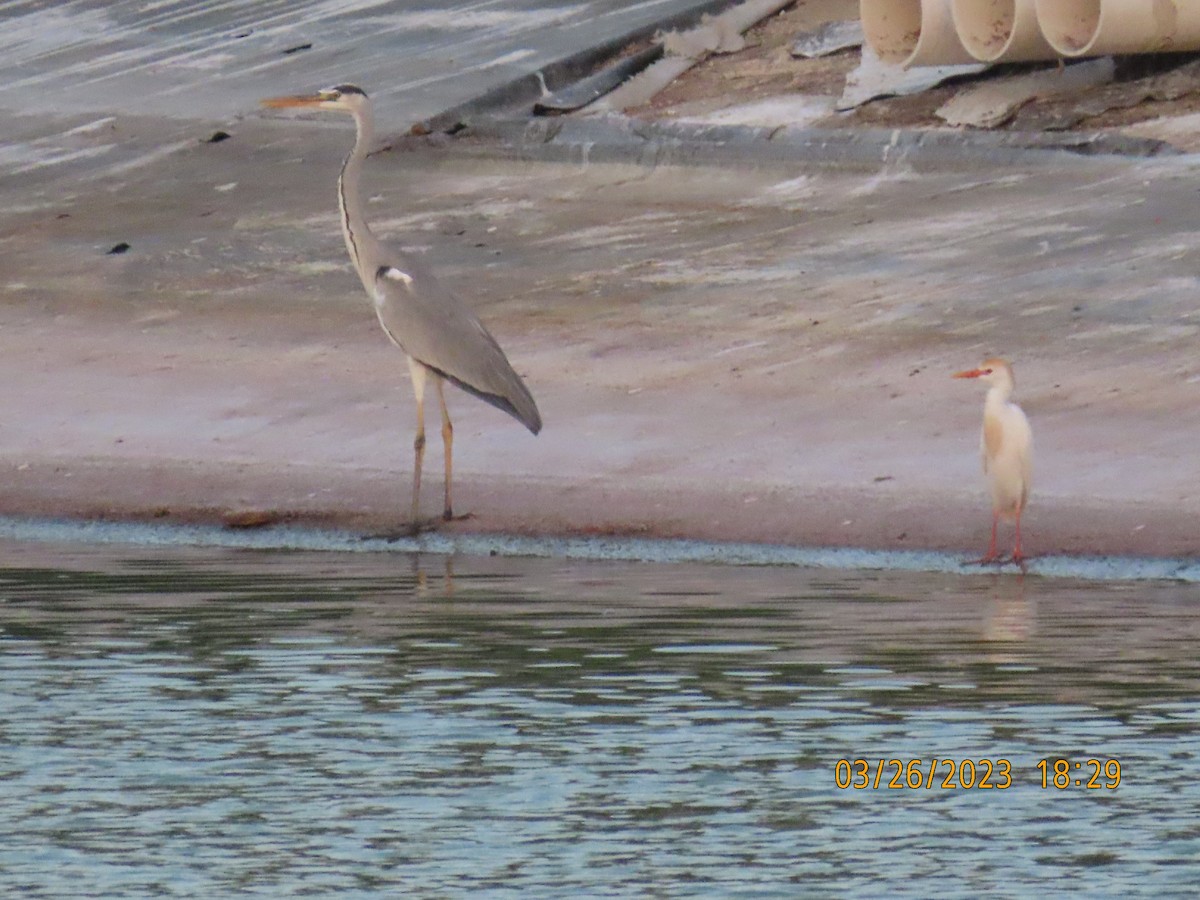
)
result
[(345, 212), (349, 89)]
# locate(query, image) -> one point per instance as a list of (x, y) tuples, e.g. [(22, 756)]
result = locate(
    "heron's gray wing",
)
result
[(438, 330)]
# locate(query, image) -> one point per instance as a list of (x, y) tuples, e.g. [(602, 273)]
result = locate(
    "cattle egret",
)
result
[(1006, 446)]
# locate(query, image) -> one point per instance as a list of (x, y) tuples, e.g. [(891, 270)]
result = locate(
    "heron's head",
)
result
[(342, 97), (995, 372)]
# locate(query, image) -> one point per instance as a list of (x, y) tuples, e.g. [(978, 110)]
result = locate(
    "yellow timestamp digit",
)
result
[(1057, 773), (899, 774), (846, 774)]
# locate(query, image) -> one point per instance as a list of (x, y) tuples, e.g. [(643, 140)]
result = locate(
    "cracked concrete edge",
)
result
[(621, 139), (528, 89)]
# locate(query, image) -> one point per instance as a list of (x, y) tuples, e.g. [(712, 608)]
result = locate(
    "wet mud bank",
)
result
[(720, 354)]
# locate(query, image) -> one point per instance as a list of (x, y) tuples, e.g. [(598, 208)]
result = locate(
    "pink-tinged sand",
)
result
[(717, 353)]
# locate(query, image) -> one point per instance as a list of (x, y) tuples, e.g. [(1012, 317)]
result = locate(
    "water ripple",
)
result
[(193, 722)]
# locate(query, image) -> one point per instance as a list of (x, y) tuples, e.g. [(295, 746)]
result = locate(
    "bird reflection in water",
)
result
[(1010, 616), (425, 587)]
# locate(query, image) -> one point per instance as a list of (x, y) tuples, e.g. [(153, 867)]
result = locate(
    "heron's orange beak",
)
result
[(308, 100), (970, 373)]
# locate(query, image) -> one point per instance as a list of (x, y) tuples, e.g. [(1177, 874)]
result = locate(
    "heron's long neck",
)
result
[(359, 239), (998, 396)]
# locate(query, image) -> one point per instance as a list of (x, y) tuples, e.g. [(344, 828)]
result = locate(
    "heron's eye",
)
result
[(987, 371)]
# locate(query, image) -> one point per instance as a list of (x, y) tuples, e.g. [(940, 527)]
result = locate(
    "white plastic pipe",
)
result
[(912, 32), (1000, 30), (1101, 27)]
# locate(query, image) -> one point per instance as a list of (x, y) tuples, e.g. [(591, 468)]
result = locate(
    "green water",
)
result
[(207, 723)]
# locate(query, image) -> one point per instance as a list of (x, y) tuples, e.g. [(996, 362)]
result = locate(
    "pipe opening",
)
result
[(912, 32), (1069, 25), (892, 27), (985, 27), (1000, 30)]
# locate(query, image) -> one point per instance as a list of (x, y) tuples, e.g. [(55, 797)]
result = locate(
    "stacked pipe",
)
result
[(944, 32)]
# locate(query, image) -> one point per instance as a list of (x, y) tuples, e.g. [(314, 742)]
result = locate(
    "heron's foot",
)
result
[(417, 526), (390, 536), (995, 559), (449, 516), (408, 530)]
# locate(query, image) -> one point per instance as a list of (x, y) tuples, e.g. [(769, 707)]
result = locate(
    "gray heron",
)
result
[(442, 338)]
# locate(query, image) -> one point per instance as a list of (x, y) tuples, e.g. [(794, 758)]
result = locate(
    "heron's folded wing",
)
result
[(433, 326)]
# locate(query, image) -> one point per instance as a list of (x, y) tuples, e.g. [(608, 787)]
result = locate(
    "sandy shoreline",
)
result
[(718, 354), (244, 495)]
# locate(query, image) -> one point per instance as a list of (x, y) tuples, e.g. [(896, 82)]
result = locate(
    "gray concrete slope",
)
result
[(196, 59)]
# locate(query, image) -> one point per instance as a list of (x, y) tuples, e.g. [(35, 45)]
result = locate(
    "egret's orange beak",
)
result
[(970, 373), (309, 100)]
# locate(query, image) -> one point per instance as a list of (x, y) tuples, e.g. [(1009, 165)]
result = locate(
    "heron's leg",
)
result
[(1018, 556), (990, 556), (418, 373), (447, 443)]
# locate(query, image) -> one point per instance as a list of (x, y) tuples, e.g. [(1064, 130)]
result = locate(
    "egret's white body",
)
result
[(1006, 446)]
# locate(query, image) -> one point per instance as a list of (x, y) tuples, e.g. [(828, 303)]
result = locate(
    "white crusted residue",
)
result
[(89, 127), (464, 19), (53, 28), (18, 158)]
